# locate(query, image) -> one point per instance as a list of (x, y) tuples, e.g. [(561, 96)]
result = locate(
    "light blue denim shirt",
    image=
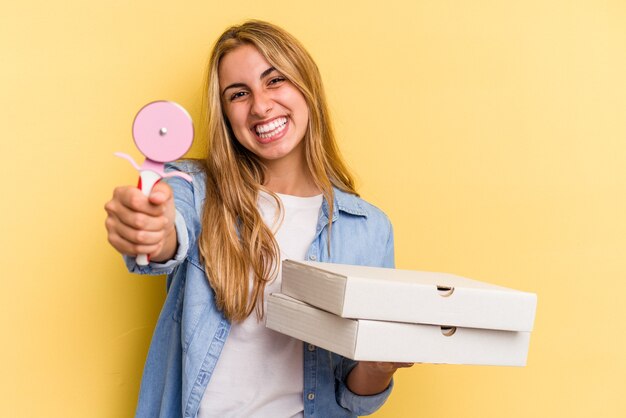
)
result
[(191, 331)]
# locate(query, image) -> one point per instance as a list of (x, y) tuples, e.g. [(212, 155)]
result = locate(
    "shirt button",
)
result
[(311, 347), (313, 257), (310, 396)]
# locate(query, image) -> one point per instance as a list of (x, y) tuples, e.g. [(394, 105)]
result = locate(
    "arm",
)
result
[(356, 403), (184, 221), (371, 378)]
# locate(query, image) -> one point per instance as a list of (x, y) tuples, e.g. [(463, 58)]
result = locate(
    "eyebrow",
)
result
[(263, 75)]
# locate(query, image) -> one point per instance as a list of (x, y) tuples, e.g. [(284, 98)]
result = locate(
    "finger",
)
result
[(134, 219), (385, 366), (130, 249), (136, 236), (134, 200), (161, 193), (398, 365), (379, 366), (403, 365)]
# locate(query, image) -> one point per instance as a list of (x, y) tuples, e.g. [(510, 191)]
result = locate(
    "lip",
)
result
[(273, 138)]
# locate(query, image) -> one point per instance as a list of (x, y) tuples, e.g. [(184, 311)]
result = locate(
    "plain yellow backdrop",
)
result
[(493, 133)]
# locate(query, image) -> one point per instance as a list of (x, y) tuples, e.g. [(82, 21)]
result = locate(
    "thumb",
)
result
[(161, 192)]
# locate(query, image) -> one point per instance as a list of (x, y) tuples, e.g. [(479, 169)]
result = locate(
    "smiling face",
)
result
[(267, 113)]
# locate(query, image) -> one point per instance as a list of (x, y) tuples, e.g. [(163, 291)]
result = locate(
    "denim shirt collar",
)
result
[(345, 202)]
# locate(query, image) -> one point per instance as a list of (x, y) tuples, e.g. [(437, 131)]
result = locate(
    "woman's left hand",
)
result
[(372, 377)]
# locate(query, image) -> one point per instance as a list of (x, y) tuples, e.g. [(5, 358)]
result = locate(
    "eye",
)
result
[(276, 81), (237, 95)]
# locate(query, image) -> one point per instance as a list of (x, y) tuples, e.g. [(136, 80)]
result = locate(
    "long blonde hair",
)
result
[(235, 242)]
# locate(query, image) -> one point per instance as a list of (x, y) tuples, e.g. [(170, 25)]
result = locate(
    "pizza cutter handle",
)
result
[(147, 180)]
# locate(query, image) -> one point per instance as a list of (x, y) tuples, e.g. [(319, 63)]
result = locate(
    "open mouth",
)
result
[(271, 129)]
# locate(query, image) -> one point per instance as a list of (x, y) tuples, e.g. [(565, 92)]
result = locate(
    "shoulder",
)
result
[(192, 167), (356, 206), (362, 233), (189, 166)]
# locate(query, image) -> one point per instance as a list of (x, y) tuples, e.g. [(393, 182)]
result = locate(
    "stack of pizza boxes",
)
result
[(379, 314)]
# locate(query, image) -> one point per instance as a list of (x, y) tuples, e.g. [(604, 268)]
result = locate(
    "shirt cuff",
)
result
[(359, 404), (156, 268)]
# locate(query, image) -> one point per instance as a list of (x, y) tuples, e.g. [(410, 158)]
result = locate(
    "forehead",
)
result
[(243, 64)]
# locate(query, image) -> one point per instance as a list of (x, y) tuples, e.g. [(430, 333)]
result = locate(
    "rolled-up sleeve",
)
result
[(359, 404)]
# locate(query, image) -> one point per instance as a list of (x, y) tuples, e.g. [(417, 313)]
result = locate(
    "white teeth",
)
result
[(272, 128)]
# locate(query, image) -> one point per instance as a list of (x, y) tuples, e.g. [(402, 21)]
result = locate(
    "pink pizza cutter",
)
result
[(163, 131)]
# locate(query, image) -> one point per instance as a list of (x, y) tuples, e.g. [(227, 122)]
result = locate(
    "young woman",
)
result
[(273, 186)]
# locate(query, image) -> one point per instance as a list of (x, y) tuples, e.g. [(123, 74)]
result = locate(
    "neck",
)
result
[(290, 177)]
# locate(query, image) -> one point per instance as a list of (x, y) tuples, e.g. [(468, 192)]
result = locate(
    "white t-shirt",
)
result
[(260, 373)]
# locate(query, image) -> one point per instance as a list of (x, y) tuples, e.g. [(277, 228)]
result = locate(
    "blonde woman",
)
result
[(272, 186)]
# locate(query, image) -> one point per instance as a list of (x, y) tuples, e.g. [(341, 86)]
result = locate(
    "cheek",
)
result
[(301, 106), (235, 129), (235, 119)]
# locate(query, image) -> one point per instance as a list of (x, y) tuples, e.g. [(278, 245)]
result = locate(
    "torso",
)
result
[(260, 371)]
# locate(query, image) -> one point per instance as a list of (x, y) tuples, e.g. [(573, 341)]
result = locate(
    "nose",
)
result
[(262, 104)]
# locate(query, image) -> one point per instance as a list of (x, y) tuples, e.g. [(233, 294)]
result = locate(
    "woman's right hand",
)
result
[(139, 224)]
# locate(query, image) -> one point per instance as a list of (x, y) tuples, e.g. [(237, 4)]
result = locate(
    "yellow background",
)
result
[(493, 133)]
